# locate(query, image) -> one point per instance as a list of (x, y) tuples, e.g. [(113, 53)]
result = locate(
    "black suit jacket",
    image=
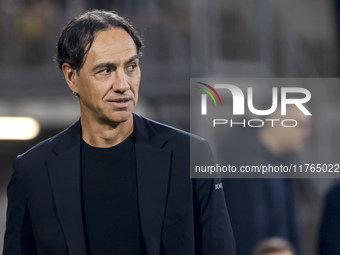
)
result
[(178, 215)]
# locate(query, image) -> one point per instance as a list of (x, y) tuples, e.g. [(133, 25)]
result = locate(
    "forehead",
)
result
[(295, 113), (114, 42)]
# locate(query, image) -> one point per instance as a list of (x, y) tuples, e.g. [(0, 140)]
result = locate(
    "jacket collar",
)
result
[(153, 168)]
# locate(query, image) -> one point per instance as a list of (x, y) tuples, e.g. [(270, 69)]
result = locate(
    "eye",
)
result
[(131, 67), (105, 71)]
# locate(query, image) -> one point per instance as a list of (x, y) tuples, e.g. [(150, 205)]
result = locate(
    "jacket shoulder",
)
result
[(169, 132), (41, 150)]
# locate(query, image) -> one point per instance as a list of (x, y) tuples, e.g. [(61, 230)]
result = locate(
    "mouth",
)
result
[(120, 102)]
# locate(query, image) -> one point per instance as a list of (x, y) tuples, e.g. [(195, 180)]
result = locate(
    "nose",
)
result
[(120, 83)]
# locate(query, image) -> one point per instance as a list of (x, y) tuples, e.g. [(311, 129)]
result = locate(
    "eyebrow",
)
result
[(112, 64)]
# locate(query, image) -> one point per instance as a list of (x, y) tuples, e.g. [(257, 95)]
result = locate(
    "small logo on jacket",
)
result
[(218, 186)]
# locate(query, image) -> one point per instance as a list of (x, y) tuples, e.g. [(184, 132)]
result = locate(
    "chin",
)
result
[(120, 117)]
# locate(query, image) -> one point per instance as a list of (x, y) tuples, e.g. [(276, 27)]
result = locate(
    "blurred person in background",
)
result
[(114, 182), (329, 232), (273, 246), (264, 207)]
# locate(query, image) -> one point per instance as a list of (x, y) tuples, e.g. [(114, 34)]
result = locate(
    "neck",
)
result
[(105, 135)]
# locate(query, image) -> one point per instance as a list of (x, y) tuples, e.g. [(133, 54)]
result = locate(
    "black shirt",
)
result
[(110, 200)]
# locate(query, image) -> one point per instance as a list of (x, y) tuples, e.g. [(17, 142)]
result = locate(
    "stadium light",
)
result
[(18, 128)]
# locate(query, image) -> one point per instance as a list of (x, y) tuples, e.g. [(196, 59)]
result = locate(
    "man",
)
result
[(273, 246), (264, 207), (114, 182), (329, 230)]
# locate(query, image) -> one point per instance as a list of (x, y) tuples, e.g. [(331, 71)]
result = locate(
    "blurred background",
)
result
[(184, 38)]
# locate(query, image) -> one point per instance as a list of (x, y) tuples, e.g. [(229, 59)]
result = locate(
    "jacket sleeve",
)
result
[(213, 230), (19, 238)]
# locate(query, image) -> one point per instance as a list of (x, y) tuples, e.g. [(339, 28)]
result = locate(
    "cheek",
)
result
[(95, 90), (135, 95), (134, 85), (134, 79), (296, 138)]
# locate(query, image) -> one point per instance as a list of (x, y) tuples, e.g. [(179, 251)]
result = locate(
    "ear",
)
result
[(70, 77)]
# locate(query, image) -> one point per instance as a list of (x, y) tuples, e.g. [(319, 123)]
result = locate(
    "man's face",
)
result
[(109, 80), (284, 252), (293, 138)]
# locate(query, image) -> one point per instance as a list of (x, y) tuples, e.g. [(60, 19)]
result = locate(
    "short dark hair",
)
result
[(77, 37)]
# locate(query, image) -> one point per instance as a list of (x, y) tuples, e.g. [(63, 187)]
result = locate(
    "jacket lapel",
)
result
[(153, 169), (65, 177)]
